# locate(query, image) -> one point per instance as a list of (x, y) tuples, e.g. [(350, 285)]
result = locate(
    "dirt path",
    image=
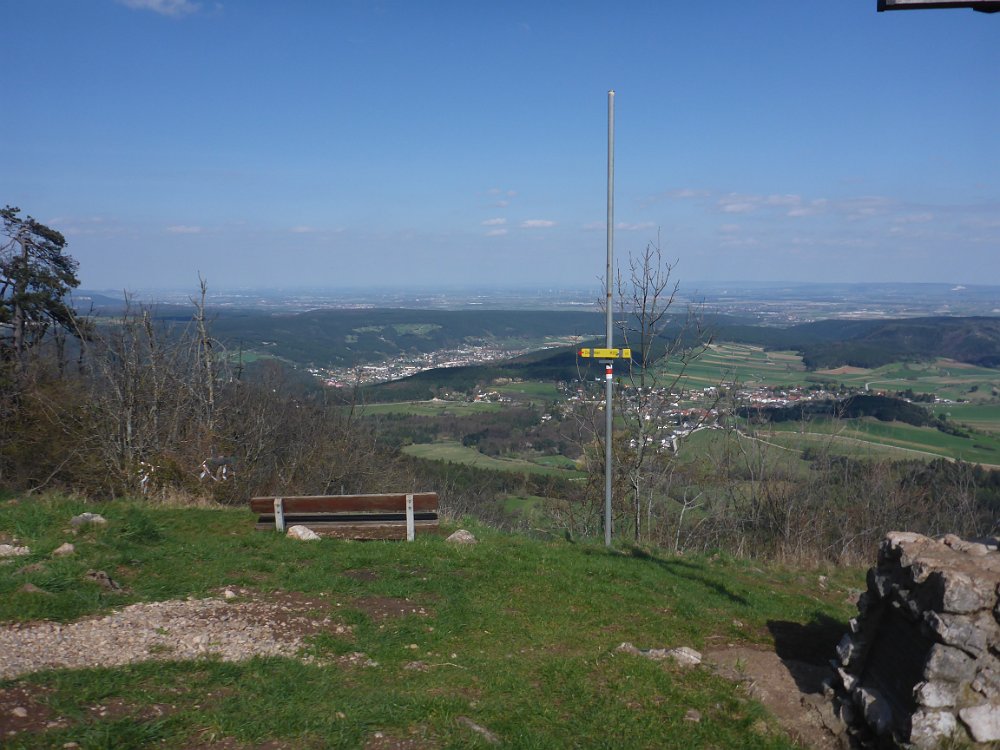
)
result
[(791, 690)]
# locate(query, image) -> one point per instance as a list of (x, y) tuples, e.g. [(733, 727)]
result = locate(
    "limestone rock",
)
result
[(302, 533), (949, 664), (63, 549), (682, 655), (936, 694), (876, 710), (686, 657), (30, 588), (983, 722), (11, 550), (106, 581), (87, 518), (461, 537), (931, 727)]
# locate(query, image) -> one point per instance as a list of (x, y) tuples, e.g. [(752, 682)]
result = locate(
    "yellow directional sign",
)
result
[(606, 353)]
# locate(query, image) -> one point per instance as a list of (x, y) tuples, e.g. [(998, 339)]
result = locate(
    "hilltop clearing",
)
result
[(417, 645)]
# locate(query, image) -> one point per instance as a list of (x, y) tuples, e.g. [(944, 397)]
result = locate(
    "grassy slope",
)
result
[(455, 452), (521, 632)]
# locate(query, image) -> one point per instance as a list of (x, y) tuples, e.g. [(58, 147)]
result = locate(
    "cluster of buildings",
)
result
[(409, 364)]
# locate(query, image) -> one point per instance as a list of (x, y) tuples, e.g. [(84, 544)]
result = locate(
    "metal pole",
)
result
[(609, 418)]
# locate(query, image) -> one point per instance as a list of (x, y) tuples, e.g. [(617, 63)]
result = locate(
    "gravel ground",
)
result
[(232, 629)]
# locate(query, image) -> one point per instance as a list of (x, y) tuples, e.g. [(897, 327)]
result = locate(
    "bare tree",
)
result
[(663, 343)]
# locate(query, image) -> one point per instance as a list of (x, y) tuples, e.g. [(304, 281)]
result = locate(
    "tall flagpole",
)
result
[(608, 365)]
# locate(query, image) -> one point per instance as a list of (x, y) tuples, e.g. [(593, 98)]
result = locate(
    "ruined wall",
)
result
[(922, 660)]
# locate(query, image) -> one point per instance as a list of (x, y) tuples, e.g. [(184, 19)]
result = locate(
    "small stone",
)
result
[(63, 549), (876, 710), (461, 537), (948, 663), (20, 712), (30, 588), (692, 715), (340, 715), (413, 646), (103, 579), (983, 722), (847, 649), (87, 518), (686, 657), (10, 550), (229, 594), (302, 533), (936, 694), (848, 680), (930, 728)]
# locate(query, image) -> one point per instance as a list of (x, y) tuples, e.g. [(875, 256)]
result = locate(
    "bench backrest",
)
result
[(395, 502), (351, 516)]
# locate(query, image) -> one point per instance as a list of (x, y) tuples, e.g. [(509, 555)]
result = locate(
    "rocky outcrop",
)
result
[(922, 661)]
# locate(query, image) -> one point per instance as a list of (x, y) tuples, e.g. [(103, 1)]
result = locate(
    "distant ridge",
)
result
[(872, 343)]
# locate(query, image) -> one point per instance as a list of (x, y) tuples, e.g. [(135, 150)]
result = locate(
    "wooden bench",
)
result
[(394, 516)]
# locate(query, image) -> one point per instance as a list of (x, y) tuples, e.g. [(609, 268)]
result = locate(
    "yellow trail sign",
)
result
[(606, 353)]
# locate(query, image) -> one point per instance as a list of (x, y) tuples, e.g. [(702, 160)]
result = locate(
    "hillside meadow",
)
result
[(515, 634)]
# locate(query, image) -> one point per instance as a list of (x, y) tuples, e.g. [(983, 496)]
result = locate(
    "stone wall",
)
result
[(922, 661)]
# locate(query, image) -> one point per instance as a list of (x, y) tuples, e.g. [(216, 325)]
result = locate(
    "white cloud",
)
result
[(496, 233), (917, 218), (627, 227), (687, 193), (172, 8), (301, 229), (733, 206), (184, 229), (537, 224), (494, 222)]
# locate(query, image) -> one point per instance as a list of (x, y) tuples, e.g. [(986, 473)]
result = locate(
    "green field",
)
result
[(748, 365), (752, 366), (979, 448), (944, 378), (431, 408), (531, 389), (981, 416), (457, 453)]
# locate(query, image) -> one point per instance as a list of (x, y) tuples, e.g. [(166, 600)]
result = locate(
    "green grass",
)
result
[(457, 453), (978, 448), (746, 364), (980, 416), (431, 408), (530, 389), (519, 637)]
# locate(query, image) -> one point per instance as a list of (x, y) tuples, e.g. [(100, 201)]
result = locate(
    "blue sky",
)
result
[(342, 143)]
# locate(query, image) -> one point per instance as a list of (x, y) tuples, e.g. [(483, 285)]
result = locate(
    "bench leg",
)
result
[(279, 515), (410, 530)]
